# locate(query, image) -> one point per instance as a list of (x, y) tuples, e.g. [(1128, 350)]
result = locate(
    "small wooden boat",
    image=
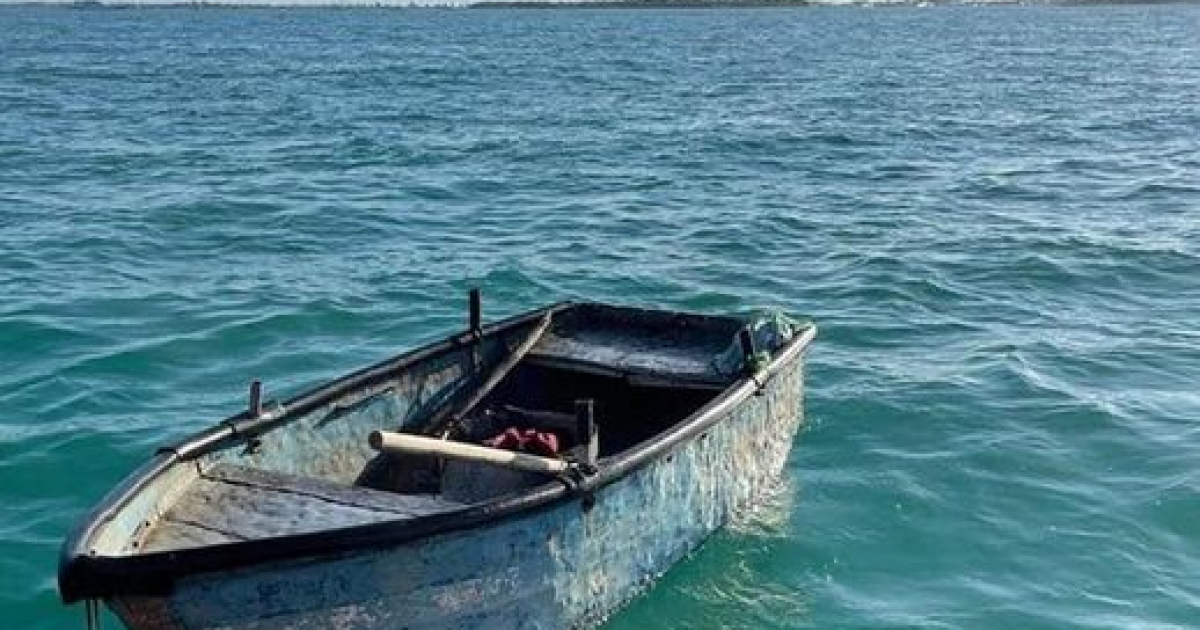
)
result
[(533, 473)]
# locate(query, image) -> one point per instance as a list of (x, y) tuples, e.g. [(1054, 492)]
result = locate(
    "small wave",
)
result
[(1159, 189)]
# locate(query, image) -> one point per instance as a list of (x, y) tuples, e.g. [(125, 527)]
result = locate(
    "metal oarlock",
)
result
[(585, 429), (255, 407), (475, 326), (475, 316)]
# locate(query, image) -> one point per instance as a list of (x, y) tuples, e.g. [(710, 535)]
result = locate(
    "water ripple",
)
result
[(991, 212)]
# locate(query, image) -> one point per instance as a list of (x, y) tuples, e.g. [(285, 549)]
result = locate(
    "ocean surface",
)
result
[(992, 213)]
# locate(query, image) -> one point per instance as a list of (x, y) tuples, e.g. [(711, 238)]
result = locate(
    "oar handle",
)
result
[(406, 444)]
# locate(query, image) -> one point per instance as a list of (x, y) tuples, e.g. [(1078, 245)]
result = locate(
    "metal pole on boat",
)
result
[(585, 428), (475, 317), (475, 326), (255, 407)]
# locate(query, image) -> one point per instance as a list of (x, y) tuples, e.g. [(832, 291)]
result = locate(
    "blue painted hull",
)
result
[(569, 564)]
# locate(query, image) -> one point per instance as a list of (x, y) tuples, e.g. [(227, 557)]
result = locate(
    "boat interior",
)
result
[(583, 384)]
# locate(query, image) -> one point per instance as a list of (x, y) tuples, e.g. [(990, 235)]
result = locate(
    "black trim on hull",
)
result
[(83, 575)]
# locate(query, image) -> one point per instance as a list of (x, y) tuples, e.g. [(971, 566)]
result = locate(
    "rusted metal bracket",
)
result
[(575, 478)]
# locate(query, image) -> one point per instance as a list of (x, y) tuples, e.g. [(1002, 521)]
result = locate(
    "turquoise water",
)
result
[(993, 213)]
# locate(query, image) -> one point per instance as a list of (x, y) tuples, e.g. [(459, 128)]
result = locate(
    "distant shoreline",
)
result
[(639, 4), (569, 4), (690, 4), (636, 4)]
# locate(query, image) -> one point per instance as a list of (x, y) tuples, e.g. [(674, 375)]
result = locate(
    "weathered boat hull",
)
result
[(567, 566), (275, 518)]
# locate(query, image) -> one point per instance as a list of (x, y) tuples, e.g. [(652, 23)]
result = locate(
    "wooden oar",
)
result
[(448, 413), (405, 444)]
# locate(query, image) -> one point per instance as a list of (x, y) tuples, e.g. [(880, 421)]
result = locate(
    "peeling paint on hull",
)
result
[(562, 566)]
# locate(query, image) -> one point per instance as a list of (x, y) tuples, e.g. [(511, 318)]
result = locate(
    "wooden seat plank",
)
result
[(231, 503)]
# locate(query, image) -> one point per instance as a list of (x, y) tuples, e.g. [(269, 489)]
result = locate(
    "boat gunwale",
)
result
[(83, 574)]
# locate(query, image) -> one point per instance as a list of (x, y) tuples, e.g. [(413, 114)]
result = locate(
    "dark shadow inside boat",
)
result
[(417, 439), (543, 397)]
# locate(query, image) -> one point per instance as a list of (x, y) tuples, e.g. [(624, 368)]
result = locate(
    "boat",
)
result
[(536, 472)]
